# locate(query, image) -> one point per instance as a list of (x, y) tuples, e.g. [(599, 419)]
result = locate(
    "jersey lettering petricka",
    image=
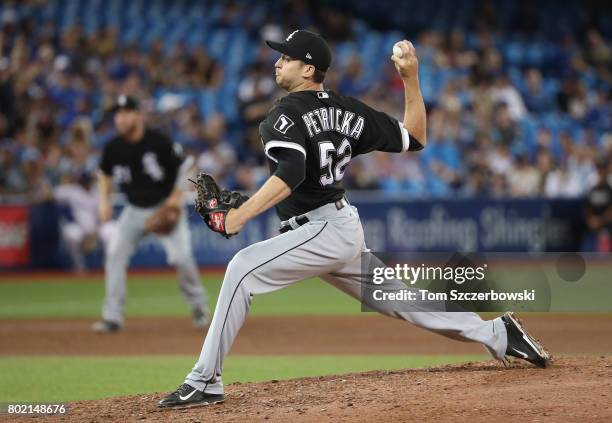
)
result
[(328, 129), (145, 171)]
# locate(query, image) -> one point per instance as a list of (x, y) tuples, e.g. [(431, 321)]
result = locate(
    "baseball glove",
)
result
[(163, 220), (212, 203)]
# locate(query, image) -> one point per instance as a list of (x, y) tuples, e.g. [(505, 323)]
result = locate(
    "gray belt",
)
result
[(297, 221)]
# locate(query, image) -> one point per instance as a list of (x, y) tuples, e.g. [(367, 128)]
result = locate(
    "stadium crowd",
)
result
[(496, 128)]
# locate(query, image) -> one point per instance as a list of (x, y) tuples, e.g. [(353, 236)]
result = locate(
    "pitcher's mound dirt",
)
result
[(573, 389)]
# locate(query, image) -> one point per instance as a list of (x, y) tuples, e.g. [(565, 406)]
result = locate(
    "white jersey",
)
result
[(83, 205)]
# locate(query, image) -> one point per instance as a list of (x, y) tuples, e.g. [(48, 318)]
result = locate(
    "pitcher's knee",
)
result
[(238, 265), (239, 270)]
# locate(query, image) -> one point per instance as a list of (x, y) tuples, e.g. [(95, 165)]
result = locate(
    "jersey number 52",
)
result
[(334, 161)]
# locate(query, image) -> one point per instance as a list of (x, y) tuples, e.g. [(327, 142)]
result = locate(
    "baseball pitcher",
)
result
[(146, 166), (310, 137)]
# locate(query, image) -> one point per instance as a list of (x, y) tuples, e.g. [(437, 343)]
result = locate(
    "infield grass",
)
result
[(48, 379), (159, 296)]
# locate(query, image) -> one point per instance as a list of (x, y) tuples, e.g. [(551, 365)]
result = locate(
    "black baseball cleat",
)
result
[(187, 396), (522, 345), (106, 326)]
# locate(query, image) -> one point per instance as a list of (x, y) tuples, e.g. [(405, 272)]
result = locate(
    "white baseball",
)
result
[(397, 51)]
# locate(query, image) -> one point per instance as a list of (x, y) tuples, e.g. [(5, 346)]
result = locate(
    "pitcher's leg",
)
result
[(118, 254), (462, 326), (180, 254), (263, 267)]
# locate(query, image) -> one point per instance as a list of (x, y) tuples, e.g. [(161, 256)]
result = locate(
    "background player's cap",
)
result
[(307, 46), (125, 102)]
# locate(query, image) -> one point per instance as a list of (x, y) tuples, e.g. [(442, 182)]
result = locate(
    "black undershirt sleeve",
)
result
[(291, 167), (415, 145)]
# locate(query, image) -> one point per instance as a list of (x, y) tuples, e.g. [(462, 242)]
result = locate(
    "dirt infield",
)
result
[(574, 389), (364, 334)]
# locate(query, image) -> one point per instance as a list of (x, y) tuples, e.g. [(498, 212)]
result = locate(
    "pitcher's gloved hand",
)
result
[(212, 203)]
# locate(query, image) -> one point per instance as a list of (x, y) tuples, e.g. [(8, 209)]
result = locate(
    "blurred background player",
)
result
[(82, 230), (147, 167), (598, 210), (78, 193)]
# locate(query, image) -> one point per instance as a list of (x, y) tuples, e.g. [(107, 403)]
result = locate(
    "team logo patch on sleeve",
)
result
[(282, 124)]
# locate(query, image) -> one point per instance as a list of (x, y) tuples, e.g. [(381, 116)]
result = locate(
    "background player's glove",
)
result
[(163, 220), (213, 204)]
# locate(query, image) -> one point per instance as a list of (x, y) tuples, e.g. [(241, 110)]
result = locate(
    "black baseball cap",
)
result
[(306, 46), (125, 102)]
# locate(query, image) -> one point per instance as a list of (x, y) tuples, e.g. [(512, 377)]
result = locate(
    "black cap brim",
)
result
[(280, 47), (116, 108), (124, 102)]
